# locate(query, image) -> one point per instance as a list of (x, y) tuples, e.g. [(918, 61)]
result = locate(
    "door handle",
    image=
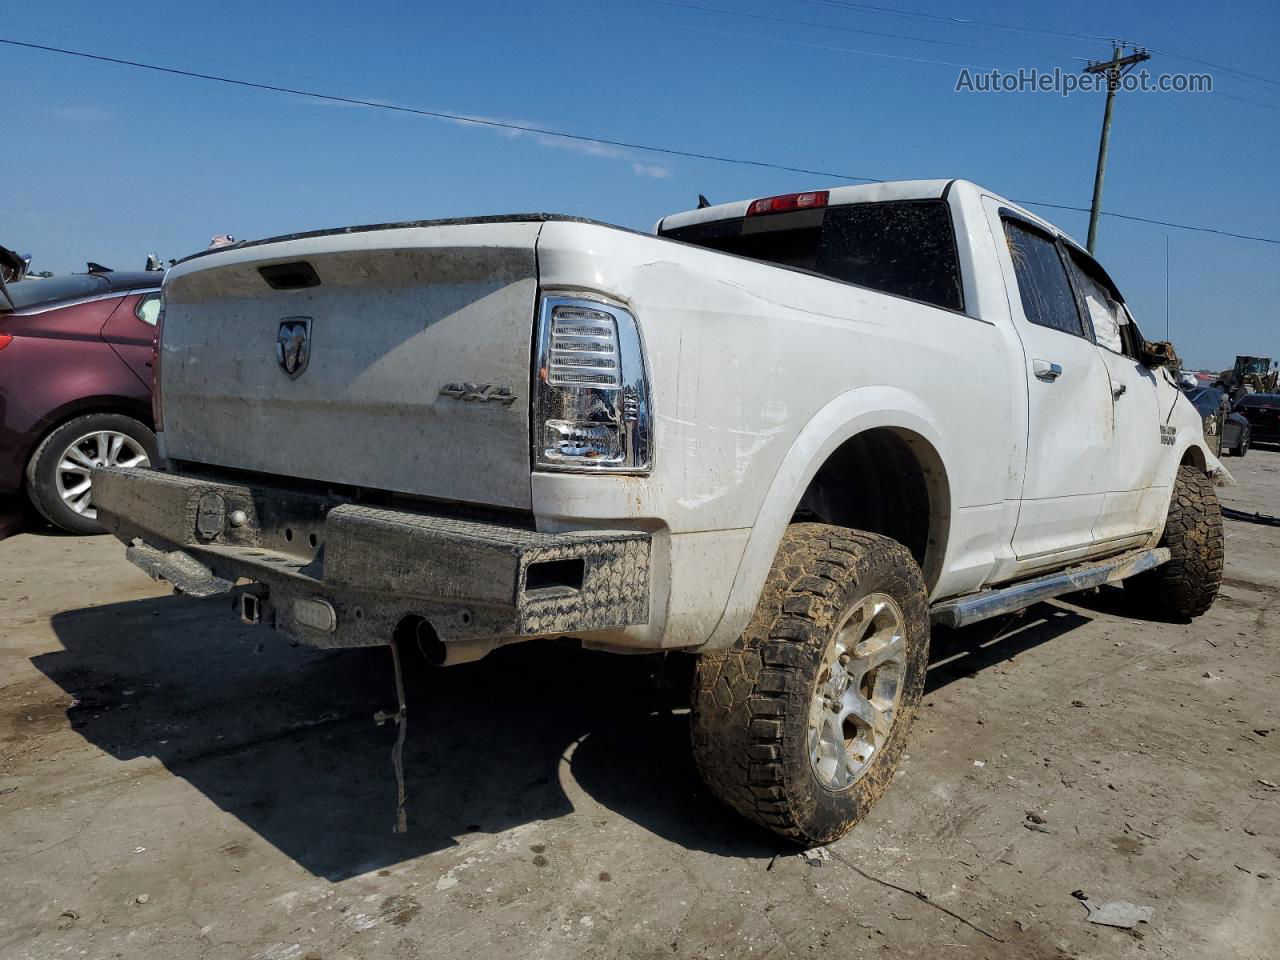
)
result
[(1044, 370), (1119, 391)]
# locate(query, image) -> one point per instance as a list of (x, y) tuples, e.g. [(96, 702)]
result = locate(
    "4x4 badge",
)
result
[(293, 345), (479, 392)]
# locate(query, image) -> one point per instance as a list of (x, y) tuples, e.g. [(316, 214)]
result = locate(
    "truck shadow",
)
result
[(955, 654), (283, 737)]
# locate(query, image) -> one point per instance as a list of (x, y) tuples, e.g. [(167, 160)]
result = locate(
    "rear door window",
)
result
[(1047, 297), (903, 247)]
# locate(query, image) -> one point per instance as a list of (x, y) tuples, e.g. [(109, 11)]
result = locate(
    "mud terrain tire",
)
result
[(1187, 585), (752, 704)]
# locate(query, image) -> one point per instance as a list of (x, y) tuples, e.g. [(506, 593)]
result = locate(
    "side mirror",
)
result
[(1159, 353)]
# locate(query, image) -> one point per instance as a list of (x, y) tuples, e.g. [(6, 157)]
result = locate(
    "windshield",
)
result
[(1206, 400), (36, 292)]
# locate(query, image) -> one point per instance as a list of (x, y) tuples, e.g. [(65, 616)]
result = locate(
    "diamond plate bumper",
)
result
[(334, 573)]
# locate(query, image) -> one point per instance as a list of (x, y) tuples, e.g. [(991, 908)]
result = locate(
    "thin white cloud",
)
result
[(509, 130), (83, 113), (589, 148), (654, 170)]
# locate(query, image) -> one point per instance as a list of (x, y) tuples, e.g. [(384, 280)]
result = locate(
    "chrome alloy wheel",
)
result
[(858, 691), (102, 448)]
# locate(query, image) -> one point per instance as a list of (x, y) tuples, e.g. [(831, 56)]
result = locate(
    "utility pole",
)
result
[(1115, 68)]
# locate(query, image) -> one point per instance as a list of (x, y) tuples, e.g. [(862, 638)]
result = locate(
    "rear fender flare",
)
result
[(849, 414)]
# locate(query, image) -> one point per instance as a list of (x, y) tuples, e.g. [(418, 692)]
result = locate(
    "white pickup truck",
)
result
[(784, 434)]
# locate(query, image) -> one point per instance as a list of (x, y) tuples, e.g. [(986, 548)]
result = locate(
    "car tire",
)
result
[(90, 440), (842, 623), (1187, 584)]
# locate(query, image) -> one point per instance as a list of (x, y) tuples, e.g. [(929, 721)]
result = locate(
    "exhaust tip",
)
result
[(413, 629)]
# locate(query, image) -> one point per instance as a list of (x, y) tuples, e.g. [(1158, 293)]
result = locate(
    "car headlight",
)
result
[(591, 404)]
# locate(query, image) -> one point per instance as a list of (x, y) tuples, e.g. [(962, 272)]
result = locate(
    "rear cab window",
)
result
[(906, 248)]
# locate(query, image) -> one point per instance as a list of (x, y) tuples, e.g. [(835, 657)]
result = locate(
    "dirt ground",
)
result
[(174, 784)]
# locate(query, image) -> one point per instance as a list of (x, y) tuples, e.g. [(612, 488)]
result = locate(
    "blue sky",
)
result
[(109, 163)]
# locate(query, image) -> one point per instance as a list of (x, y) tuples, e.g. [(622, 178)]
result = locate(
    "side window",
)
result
[(1102, 302), (148, 309), (1047, 297)]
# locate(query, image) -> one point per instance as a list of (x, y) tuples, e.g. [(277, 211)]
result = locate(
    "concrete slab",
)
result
[(175, 784)]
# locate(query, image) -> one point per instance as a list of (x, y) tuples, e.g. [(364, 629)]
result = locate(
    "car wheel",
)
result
[(1186, 585), (58, 474), (801, 725)]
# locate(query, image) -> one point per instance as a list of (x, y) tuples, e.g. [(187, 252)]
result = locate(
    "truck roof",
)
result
[(859, 193)]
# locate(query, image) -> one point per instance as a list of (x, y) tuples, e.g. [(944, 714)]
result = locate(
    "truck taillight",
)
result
[(5, 340), (790, 201), (155, 371), (591, 405)]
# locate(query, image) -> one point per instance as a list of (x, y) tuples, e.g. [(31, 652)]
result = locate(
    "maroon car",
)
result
[(75, 386)]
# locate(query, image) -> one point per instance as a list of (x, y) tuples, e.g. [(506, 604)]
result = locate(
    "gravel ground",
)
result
[(174, 784)]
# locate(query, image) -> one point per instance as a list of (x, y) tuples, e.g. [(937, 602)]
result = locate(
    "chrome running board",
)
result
[(998, 600)]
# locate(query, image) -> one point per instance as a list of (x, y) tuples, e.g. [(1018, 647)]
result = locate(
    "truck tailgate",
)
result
[(386, 359)]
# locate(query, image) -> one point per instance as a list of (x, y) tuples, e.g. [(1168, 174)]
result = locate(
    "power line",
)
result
[(1241, 74), (1035, 31), (1160, 223), (961, 21), (575, 137), (438, 114), (845, 29), (828, 48), (1256, 103), (762, 38)]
